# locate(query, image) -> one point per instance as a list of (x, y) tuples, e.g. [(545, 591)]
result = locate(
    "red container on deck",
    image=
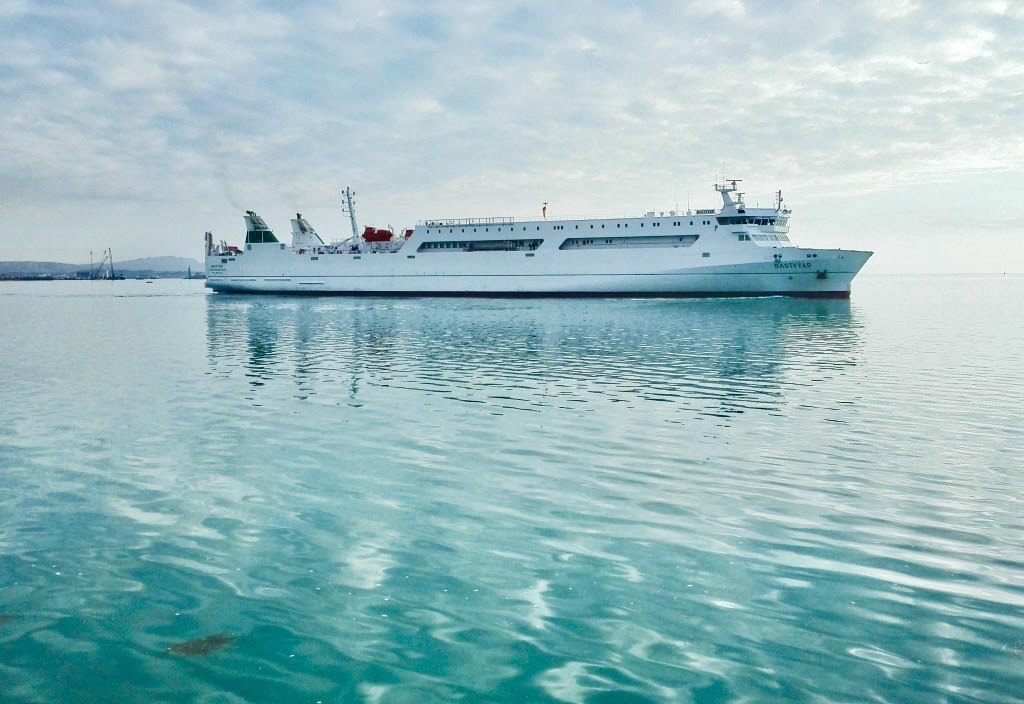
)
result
[(373, 234)]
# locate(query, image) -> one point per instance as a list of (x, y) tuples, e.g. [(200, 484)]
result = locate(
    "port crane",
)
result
[(106, 268)]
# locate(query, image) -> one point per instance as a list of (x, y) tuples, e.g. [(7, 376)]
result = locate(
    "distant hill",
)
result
[(152, 265), (159, 264), (37, 268)]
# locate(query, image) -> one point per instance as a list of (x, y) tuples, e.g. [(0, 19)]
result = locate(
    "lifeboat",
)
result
[(374, 234)]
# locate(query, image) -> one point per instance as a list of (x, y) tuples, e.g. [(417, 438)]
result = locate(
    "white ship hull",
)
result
[(734, 251), (826, 273)]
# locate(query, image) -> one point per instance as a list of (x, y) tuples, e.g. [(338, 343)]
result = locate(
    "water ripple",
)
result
[(584, 501)]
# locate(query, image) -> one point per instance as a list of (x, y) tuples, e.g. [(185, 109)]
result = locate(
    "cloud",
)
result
[(176, 113), (732, 9), (891, 9)]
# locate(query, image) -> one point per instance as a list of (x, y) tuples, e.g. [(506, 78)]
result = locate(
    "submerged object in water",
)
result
[(202, 646)]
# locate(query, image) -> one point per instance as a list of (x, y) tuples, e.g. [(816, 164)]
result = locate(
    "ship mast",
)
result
[(728, 186), (350, 208)]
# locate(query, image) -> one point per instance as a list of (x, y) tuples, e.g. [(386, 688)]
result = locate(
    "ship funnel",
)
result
[(303, 234)]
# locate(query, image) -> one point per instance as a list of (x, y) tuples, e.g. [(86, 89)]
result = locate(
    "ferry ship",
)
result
[(730, 251)]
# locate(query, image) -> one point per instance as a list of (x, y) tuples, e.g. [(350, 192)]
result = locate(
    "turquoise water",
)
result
[(762, 500)]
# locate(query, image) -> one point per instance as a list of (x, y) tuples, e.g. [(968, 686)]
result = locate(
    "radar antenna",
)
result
[(729, 185)]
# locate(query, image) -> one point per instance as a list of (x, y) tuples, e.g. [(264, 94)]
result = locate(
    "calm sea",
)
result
[(387, 501)]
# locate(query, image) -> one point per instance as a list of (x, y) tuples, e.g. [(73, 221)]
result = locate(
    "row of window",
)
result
[(259, 236), (519, 245), (745, 220), (761, 237), (481, 246), (631, 242), (675, 223)]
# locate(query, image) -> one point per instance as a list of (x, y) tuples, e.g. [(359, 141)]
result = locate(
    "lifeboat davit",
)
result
[(374, 234)]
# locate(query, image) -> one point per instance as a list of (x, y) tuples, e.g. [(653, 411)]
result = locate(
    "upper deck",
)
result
[(671, 228)]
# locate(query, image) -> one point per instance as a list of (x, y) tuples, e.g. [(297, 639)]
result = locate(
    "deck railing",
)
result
[(455, 222), (452, 222)]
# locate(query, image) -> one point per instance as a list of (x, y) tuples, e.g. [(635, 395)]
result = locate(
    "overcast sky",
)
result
[(893, 125)]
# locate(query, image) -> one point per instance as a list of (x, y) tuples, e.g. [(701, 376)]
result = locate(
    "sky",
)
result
[(890, 125)]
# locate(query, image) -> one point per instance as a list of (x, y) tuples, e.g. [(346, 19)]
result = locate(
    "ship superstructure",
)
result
[(730, 251)]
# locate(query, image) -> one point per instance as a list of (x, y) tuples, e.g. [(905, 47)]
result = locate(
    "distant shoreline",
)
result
[(128, 276), (164, 267)]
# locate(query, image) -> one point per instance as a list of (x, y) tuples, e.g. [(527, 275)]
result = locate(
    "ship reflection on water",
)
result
[(705, 357)]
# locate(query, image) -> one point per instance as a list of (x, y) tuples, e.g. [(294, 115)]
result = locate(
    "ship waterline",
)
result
[(733, 251)]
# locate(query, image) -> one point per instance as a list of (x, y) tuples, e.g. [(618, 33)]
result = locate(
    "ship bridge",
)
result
[(735, 212)]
